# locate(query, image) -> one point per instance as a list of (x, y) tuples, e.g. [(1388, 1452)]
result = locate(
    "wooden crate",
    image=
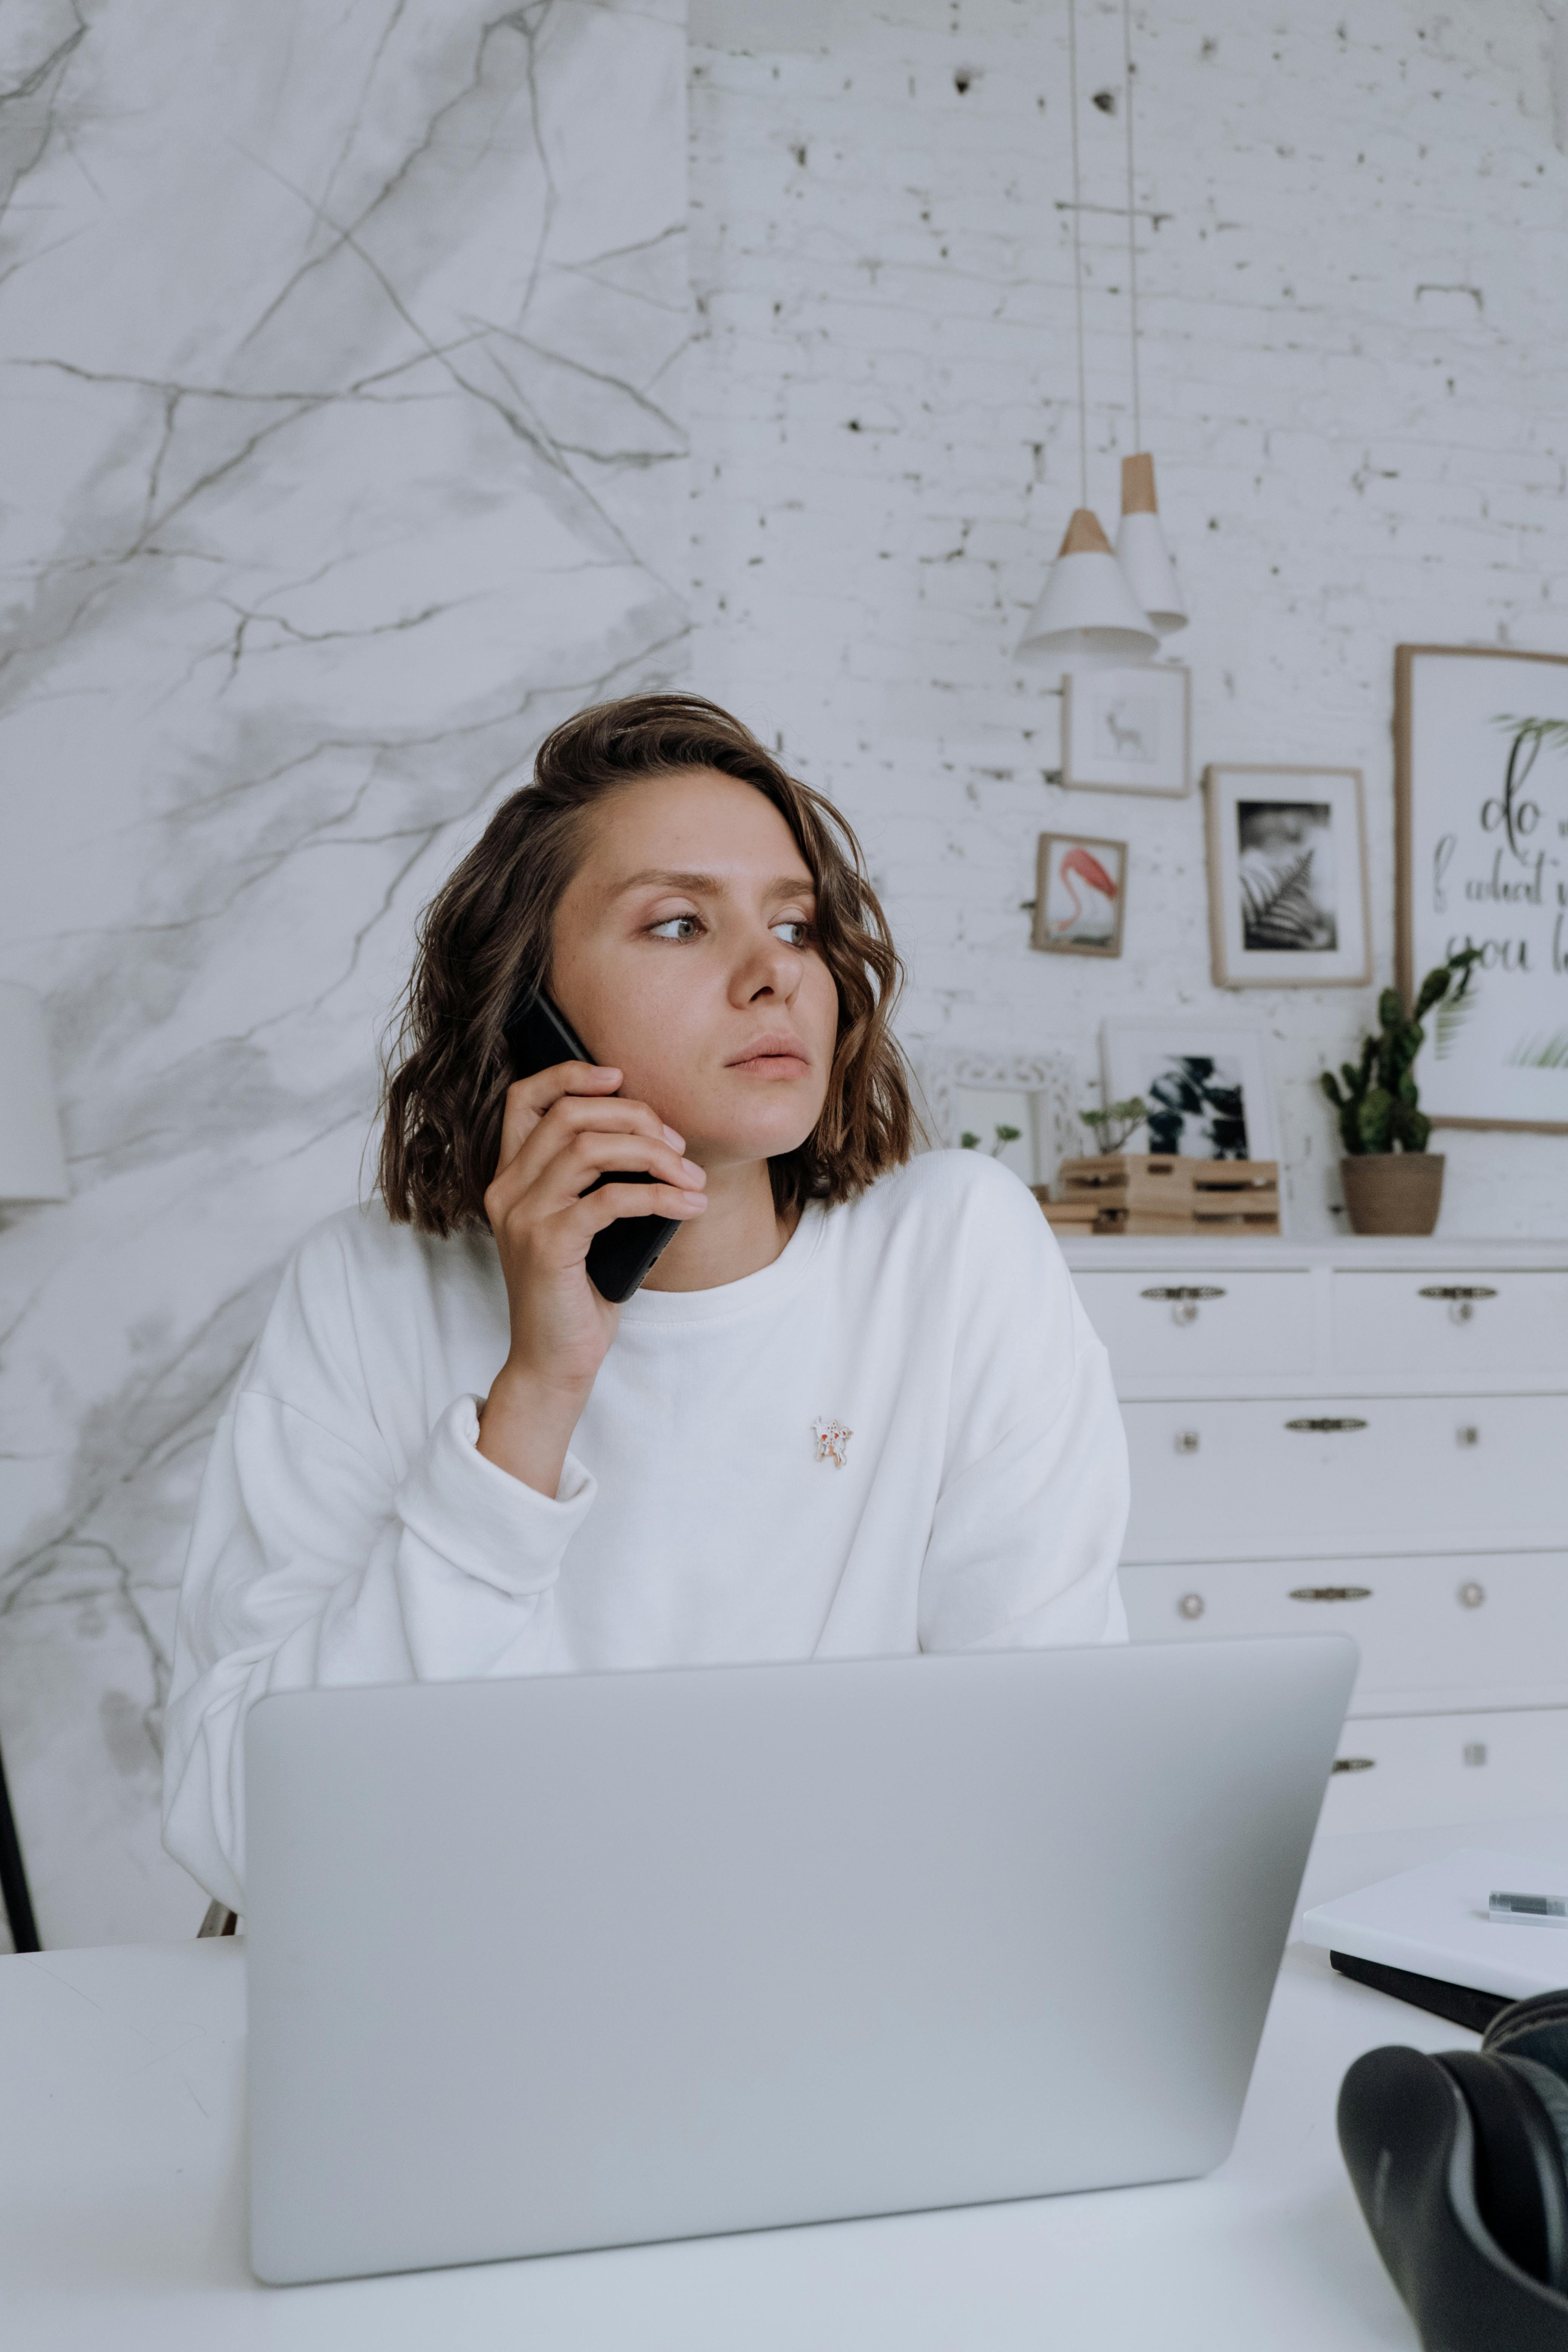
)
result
[(1240, 1196), (1126, 1193), (1067, 1216), (1134, 1221), (1139, 1183)]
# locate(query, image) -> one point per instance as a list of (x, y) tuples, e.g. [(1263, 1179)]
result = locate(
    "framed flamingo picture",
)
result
[(1081, 892)]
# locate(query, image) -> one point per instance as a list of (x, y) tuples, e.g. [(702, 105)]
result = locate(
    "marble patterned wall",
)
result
[(341, 454)]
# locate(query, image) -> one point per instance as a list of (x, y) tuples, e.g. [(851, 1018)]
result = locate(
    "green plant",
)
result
[(1117, 1123), (1378, 1106), (1004, 1135)]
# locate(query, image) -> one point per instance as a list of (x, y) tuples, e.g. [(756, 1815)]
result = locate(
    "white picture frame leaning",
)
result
[(1128, 730), (1289, 903), (967, 1088), (1137, 1056)]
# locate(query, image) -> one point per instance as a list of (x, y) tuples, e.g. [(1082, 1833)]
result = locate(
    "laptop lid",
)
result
[(583, 1960)]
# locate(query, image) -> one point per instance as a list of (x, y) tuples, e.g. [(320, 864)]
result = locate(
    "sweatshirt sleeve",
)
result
[(1033, 1506), (316, 1558)]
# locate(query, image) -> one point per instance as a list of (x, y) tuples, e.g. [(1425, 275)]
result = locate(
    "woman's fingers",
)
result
[(569, 1173), (555, 1134), (528, 1099), (597, 1209)]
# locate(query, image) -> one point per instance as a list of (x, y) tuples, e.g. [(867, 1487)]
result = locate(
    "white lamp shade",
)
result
[(1141, 548), (32, 1162), (1086, 606)]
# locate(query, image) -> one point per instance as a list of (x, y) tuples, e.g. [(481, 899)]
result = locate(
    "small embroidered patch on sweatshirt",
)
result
[(832, 1438)]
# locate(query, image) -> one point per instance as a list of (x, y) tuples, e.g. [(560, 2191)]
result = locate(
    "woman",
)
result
[(855, 1408)]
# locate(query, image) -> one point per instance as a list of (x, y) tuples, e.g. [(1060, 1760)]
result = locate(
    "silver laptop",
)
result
[(583, 1960)]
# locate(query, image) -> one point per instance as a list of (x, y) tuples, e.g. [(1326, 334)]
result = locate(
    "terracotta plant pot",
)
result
[(1393, 1192)]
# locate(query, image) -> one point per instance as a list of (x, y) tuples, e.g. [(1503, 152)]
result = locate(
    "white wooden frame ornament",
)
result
[(1108, 714), (1053, 1077), (1346, 964)]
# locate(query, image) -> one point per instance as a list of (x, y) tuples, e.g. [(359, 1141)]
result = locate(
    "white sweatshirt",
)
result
[(349, 1531)]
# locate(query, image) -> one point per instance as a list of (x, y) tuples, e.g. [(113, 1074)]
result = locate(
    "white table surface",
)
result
[(122, 2201)]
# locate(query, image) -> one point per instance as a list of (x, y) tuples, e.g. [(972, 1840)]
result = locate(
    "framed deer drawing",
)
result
[(1126, 730), (1288, 890)]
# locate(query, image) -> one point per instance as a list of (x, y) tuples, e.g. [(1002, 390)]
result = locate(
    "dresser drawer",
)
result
[(1412, 1771), (1201, 1324), (1282, 1478), (1480, 1629), (1464, 1324)]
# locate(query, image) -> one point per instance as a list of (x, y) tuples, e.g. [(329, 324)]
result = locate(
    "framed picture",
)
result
[(1127, 731), (1080, 893), (1481, 842), (966, 1091), (1207, 1087), (1288, 892)]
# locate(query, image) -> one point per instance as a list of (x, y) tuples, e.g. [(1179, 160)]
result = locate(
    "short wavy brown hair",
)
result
[(485, 937)]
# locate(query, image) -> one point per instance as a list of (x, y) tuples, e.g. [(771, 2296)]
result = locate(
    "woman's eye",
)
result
[(793, 932), (676, 927)]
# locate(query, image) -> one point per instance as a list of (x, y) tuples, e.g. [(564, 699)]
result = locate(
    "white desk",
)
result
[(122, 2203)]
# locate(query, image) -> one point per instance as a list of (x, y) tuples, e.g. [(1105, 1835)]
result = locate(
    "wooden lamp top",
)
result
[(1138, 485), (1084, 535)]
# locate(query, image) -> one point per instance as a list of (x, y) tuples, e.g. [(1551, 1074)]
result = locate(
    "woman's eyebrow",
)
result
[(710, 885)]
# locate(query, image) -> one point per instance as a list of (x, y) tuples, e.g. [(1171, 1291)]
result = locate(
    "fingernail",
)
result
[(695, 1200), (676, 1142), (692, 1173)]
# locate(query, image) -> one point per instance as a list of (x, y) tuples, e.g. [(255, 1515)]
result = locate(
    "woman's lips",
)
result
[(772, 1057)]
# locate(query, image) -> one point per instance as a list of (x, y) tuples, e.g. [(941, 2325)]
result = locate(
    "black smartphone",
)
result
[(537, 1037)]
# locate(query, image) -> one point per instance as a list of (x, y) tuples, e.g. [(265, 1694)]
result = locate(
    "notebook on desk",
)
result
[(583, 1960), (1427, 1936)]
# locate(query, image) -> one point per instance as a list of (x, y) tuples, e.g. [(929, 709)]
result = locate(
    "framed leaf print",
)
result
[(1287, 893)]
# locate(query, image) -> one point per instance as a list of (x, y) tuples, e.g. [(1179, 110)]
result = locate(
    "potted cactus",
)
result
[(1393, 1184)]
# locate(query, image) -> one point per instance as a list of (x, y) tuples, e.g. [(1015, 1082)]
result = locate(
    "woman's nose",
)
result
[(770, 969)]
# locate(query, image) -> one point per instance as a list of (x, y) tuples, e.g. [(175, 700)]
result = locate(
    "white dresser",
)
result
[(1369, 1437)]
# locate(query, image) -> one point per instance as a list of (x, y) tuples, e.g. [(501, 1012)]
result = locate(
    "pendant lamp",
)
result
[(1142, 552), (1087, 608), (1140, 541)]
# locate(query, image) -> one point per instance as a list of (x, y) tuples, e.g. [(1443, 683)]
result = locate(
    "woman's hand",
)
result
[(560, 1134)]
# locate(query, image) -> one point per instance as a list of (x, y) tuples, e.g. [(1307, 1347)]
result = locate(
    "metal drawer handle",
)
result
[(1326, 1424), (1467, 1433), (1190, 1606), (1465, 1290), (1186, 1441), (1331, 1592), (1175, 1292), (1472, 1595), (1354, 1763)]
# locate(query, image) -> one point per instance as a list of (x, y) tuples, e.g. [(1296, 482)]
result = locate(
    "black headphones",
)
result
[(1460, 2162)]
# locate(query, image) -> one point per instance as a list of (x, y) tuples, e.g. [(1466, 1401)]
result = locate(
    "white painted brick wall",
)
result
[(1353, 266)]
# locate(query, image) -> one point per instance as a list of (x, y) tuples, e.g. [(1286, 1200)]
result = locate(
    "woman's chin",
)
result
[(737, 1140)]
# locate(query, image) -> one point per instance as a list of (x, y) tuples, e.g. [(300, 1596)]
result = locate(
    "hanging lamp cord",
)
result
[(1078, 261), (1131, 215)]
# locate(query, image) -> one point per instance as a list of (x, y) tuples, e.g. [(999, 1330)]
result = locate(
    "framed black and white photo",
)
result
[(1288, 888), (1127, 731), (1481, 835), (1080, 895), (1207, 1087)]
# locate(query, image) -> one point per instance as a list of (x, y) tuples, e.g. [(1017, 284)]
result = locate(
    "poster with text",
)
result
[(1481, 741)]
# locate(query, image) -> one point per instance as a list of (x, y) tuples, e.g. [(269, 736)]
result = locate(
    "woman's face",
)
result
[(685, 954)]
